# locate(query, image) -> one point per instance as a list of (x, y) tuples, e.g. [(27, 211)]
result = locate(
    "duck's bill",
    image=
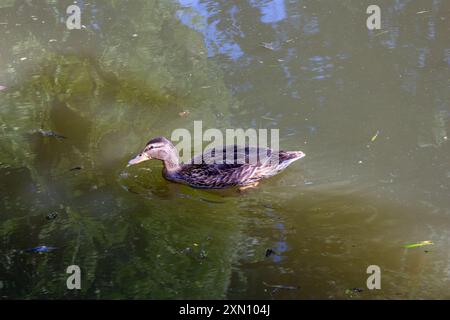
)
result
[(138, 159)]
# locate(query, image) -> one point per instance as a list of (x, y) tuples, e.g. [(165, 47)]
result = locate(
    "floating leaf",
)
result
[(268, 118), (268, 45), (418, 244), (375, 136)]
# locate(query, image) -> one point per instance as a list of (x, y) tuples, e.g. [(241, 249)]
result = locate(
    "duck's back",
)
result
[(233, 154)]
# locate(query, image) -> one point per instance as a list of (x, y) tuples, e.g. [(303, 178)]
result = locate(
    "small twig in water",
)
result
[(280, 286)]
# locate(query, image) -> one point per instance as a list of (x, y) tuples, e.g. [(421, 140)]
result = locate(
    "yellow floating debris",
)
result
[(418, 244), (375, 136)]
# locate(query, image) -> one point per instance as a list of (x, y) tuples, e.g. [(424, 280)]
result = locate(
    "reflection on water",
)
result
[(272, 11), (200, 16), (369, 108)]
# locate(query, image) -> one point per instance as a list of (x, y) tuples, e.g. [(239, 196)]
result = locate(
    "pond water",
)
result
[(369, 108)]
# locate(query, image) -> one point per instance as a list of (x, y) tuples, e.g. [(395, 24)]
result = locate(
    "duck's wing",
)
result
[(216, 175), (234, 154)]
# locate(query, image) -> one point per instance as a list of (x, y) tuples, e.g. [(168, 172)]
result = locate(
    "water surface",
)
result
[(369, 108)]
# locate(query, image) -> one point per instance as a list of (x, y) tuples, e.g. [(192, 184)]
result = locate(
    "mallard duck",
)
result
[(203, 173)]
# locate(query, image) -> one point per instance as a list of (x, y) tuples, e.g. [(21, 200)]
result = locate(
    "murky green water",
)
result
[(369, 108)]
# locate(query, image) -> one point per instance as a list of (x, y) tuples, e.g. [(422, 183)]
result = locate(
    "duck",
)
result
[(204, 171)]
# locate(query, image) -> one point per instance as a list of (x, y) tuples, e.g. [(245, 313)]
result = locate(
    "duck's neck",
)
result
[(172, 165)]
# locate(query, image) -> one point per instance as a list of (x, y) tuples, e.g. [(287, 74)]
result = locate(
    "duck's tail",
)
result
[(285, 158), (290, 156)]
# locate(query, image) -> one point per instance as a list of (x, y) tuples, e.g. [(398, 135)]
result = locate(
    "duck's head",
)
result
[(158, 148)]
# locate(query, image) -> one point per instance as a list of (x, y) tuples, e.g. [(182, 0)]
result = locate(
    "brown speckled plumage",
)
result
[(201, 172)]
